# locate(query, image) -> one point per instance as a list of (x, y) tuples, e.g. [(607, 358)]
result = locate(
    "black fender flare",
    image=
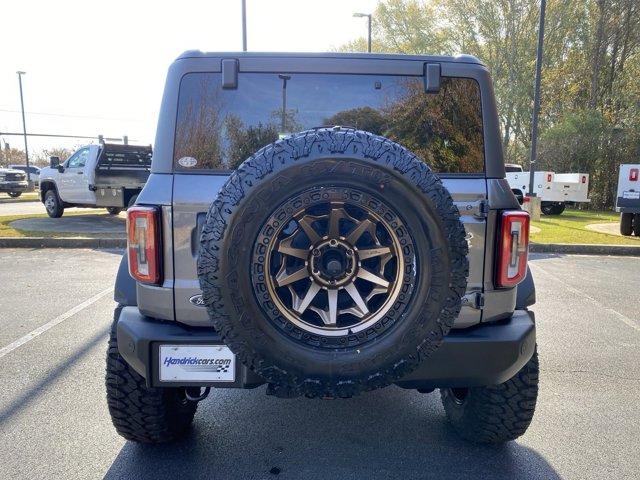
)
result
[(124, 292), (526, 292)]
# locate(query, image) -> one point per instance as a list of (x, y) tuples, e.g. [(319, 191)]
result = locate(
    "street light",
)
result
[(24, 127), (536, 100), (368, 15)]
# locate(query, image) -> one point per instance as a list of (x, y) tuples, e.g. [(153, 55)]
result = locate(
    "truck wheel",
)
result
[(15, 194), (114, 210), (494, 414), (53, 204), (626, 224), (357, 262), (636, 224), (546, 208), (559, 208), (140, 413)]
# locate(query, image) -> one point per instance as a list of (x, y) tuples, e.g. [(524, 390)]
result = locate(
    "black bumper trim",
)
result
[(481, 355)]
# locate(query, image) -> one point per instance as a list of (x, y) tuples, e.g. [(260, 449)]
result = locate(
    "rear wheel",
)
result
[(552, 208), (52, 204), (114, 210), (15, 194), (626, 224), (140, 413), (636, 224), (494, 414)]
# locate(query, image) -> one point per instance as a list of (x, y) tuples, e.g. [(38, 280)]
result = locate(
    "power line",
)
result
[(61, 136), (72, 116)]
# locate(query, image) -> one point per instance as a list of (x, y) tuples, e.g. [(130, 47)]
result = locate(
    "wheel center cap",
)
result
[(333, 262)]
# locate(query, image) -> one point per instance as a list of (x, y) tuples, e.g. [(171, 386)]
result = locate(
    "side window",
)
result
[(79, 159)]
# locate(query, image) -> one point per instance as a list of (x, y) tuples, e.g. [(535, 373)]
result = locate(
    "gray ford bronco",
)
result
[(325, 225)]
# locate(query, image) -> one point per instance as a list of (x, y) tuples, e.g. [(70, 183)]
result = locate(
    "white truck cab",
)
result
[(555, 190), (628, 199), (102, 176)]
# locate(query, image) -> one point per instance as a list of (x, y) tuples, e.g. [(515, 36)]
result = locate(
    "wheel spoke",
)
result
[(337, 213), (357, 298), (374, 292), (284, 278), (357, 232), (285, 248), (372, 277), (305, 224), (332, 296), (373, 252), (314, 288)]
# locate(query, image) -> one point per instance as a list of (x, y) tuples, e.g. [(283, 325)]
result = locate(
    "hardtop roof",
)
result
[(470, 59)]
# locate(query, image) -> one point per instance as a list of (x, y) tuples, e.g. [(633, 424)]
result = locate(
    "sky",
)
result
[(98, 67)]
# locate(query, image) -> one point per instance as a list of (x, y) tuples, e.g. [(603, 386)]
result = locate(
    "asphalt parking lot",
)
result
[(54, 421)]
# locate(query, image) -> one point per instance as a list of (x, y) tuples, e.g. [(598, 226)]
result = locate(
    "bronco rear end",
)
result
[(325, 225)]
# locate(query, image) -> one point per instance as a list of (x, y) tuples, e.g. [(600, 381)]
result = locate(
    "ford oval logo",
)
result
[(197, 301)]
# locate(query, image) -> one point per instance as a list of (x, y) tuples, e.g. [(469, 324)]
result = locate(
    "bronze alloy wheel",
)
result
[(335, 263)]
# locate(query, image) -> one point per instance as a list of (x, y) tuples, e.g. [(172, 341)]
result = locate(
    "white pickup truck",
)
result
[(555, 190), (628, 199), (101, 176)]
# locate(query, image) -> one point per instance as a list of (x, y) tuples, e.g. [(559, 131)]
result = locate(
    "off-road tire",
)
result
[(114, 210), (320, 161), (494, 414), (626, 224), (52, 204), (140, 413), (636, 224), (15, 194)]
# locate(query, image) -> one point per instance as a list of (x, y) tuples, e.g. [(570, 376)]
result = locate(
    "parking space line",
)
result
[(59, 319), (623, 318)]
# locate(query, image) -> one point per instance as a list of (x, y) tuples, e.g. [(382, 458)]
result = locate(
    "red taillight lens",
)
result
[(584, 179), (143, 243), (513, 248), (633, 175), (549, 177)]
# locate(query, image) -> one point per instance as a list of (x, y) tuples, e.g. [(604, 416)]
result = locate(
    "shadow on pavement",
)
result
[(31, 394), (386, 434)]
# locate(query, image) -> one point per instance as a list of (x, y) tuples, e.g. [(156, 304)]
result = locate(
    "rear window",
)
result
[(218, 128)]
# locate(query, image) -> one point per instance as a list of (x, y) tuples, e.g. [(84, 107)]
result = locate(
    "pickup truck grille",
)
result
[(14, 177)]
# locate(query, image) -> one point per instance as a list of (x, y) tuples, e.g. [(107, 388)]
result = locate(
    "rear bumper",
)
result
[(482, 355)]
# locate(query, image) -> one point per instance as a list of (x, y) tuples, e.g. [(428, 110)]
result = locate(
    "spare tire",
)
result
[(333, 262)]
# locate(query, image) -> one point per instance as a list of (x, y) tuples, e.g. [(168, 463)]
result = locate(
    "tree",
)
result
[(590, 82), (10, 156), (363, 118), (244, 142)]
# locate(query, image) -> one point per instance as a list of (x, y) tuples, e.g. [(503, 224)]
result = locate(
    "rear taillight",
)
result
[(633, 175), (584, 179), (513, 248), (549, 177), (143, 243)]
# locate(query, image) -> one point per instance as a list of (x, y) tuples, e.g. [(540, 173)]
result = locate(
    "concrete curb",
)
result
[(84, 242), (583, 249), (61, 242)]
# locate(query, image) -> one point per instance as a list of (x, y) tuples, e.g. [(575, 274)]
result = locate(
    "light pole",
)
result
[(284, 79), (536, 100), (24, 127), (368, 15), (244, 25)]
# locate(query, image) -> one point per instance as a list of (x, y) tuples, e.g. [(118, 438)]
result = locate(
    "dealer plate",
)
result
[(196, 363), (631, 195)]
